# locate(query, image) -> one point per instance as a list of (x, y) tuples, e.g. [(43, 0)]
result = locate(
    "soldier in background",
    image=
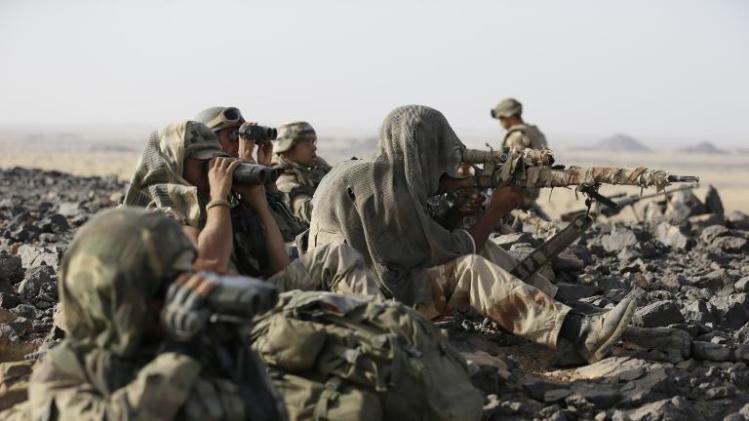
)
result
[(378, 207), (295, 154), (225, 123), (520, 135)]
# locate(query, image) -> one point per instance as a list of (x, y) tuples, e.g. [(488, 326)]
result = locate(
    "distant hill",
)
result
[(703, 147), (618, 143)]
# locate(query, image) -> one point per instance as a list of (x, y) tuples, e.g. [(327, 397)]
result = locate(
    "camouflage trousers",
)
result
[(506, 261), (517, 307), (331, 267)]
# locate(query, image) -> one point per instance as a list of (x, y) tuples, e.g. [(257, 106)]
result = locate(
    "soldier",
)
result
[(185, 173), (302, 169), (137, 347), (520, 135), (225, 123), (378, 206)]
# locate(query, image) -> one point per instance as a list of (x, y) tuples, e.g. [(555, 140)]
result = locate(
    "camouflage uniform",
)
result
[(289, 226), (298, 182), (158, 184), (521, 136), (377, 206), (109, 366)]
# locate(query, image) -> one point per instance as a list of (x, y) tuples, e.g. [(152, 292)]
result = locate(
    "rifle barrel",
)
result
[(683, 179)]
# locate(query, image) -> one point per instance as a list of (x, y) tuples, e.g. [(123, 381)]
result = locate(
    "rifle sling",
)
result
[(541, 256)]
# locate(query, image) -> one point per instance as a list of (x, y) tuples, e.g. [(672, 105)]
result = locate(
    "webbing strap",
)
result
[(329, 394)]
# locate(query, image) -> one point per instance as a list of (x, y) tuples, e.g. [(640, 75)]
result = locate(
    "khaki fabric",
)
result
[(298, 183), (331, 267), (521, 136), (506, 261), (378, 206), (517, 307)]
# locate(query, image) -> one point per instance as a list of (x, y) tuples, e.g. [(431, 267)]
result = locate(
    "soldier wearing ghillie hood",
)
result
[(378, 207)]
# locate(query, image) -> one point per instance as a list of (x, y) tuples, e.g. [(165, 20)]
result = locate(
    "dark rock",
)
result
[(733, 310), (699, 311), (703, 221), (671, 409), (11, 271), (708, 351), (602, 395), (571, 292), (738, 220), (730, 244), (9, 300), (40, 282), (710, 233), (26, 310), (713, 204), (659, 313), (660, 343)]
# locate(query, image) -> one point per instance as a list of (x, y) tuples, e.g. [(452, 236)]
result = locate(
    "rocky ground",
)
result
[(685, 357)]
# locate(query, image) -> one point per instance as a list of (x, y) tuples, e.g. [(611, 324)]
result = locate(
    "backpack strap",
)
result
[(329, 394)]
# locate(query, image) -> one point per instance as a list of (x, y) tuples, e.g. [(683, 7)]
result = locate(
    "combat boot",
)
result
[(592, 336)]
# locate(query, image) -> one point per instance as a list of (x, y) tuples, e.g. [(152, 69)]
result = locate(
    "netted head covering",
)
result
[(379, 206), (419, 143), (295, 131), (158, 181), (112, 269)]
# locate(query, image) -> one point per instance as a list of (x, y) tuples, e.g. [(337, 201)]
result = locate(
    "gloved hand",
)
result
[(185, 312)]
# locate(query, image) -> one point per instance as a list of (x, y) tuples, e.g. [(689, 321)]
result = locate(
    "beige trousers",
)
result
[(517, 307), (506, 261), (332, 267)]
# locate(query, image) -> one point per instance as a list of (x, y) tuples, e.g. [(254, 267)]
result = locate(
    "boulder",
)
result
[(712, 201), (738, 220), (708, 351), (658, 313), (732, 310), (660, 344), (672, 236), (618, 239)]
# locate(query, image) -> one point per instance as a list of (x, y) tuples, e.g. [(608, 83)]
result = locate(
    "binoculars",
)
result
[(259, 134), (248, 174), (240, 296)]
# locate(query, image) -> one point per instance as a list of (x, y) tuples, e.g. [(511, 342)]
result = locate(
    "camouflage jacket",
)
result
[(298, 183)]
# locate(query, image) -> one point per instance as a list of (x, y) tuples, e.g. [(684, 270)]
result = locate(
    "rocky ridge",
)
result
[(685, 357)]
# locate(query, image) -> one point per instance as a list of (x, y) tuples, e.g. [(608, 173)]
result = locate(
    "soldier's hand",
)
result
[(247, 146), (220, 172), (253, 196), (185, 314), (505, 199), (265, 153), (468, 201)]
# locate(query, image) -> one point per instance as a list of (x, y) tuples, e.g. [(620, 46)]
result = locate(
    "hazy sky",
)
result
[(675, 70)]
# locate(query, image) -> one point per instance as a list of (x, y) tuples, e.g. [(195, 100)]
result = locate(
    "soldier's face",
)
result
[(304, 152), (195, 172), (229, 140), (505, 122)]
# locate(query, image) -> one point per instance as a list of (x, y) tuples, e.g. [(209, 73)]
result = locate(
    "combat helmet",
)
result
[(508, 107), (218, 118), (292, 132)]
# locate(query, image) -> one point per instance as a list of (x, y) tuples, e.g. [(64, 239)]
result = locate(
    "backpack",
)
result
[(340, 357)]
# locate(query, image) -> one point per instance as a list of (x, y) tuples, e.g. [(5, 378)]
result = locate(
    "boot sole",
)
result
[(616, 334)]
